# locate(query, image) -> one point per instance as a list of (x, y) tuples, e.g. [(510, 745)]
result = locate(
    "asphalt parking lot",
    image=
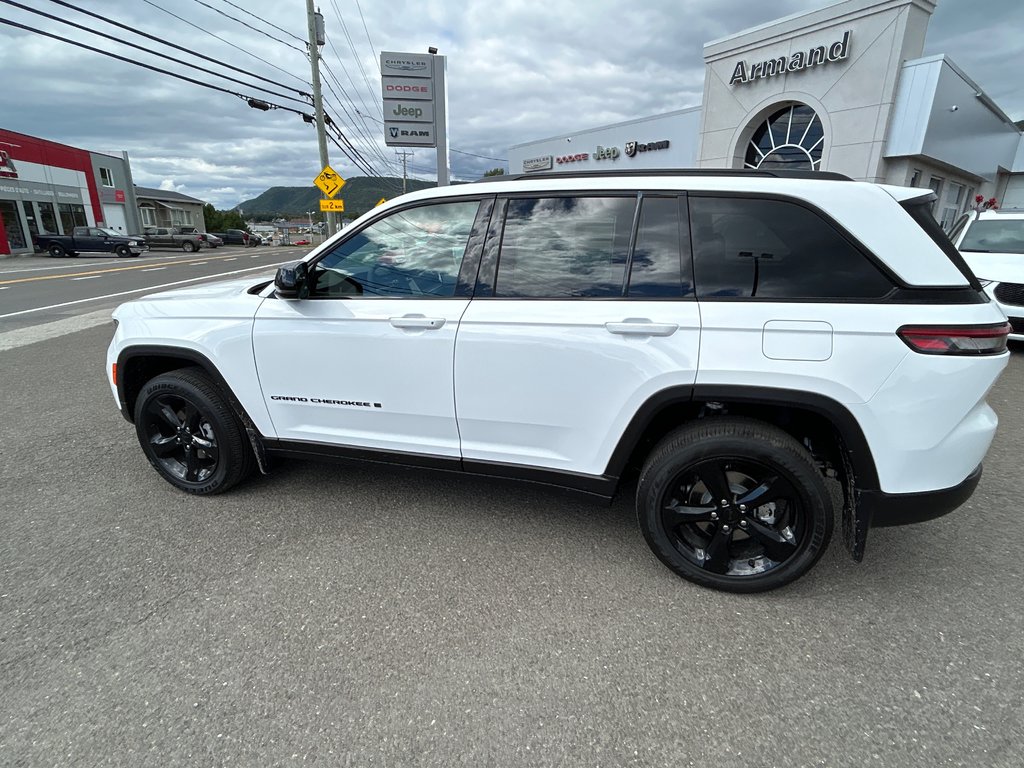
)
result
[(364, 615)]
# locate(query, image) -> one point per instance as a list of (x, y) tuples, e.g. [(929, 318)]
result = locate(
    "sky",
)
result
[(518, 70)]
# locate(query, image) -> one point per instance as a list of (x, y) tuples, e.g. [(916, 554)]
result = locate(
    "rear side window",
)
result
[(656, 268), (775, 249), (565, 247)]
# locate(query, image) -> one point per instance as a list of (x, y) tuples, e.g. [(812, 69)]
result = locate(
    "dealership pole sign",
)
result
[(415, 104)]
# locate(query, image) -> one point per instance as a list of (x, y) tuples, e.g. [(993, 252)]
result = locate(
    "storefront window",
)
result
[(30, 217), (47, 218), (72, 216), (12, 225), (791, 138)]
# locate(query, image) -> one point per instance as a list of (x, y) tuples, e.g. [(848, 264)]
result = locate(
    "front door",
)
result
[(366, 360)]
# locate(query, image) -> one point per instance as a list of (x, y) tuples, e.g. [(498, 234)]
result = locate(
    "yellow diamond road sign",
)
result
[(329, 181), (332, 205)]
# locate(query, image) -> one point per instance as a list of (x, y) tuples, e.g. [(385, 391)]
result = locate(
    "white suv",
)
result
[(993, 245), (736, 338)]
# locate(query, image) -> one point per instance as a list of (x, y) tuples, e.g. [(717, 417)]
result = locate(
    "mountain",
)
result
[(360, 194)]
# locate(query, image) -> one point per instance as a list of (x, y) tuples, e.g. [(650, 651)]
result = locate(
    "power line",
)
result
[(485, 157), (211, 34), (250, 26), (149, 50), (268, 23), (266, 104), (373, 50), (359, 64), (181, 47)]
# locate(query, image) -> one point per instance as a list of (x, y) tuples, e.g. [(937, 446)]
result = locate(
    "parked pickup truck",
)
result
[(91, 240), (187, 239)]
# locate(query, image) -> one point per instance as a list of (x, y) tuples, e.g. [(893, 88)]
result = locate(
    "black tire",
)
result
[(122, 251), (190, 434), (188, 246), (776, 520), (57, 251)]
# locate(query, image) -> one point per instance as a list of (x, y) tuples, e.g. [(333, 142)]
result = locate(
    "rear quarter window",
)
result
[(754, 248)]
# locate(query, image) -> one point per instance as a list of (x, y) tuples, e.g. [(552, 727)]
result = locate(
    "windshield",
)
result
[(994, 236)]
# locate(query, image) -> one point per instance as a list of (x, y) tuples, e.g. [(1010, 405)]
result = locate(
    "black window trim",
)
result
[(470, 260)]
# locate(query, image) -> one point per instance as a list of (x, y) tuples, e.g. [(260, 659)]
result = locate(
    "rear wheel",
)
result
[(188, 246), (190, 434), (57, 251), (734, 504)]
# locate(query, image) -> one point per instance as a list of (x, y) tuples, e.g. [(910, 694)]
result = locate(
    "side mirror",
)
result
[(292, 281)]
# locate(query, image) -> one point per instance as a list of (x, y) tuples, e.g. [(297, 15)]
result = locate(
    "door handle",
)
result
[(633, 327), (418, 321)]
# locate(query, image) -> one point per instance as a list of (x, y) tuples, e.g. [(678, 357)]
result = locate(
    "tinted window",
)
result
[(415, 252), (745, 247), (560, 247), (655, 267)]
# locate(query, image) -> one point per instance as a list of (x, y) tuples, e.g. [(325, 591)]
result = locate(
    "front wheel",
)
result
[(190, 434), (734, 504), (188, 246), (122, 251)]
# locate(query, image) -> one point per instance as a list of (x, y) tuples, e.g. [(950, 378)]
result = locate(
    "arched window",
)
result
[(792, 138)]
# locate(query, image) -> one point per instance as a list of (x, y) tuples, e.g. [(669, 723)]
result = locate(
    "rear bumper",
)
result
[(886, 509)]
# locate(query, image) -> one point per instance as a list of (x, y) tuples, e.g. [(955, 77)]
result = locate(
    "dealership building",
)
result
[(46, 187), (845, 89)]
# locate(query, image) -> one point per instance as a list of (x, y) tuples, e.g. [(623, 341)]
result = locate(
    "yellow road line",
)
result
[(104, 271)]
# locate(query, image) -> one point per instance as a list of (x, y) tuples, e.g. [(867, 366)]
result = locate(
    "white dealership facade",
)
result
[(845, 89)]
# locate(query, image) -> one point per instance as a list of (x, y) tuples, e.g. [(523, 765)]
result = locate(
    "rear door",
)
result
[(584, 311)]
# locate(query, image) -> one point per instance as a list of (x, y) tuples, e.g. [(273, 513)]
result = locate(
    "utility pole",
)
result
[(405, 175), (316, 39)]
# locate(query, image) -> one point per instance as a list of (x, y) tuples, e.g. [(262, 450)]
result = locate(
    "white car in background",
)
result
[(993, 246)]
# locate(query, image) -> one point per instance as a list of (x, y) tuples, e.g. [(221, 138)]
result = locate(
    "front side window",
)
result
[(565, 247), (775, 249), (416, 252)]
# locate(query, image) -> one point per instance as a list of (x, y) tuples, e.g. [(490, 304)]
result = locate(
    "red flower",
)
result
[(979, 198)]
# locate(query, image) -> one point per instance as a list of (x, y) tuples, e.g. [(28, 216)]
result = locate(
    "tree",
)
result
[(218, 221), (495, 172)]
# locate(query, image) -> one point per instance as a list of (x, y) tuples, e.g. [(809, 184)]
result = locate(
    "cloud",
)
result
[(516, 72)]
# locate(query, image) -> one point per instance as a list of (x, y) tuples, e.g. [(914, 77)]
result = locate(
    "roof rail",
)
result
[(742, 172)]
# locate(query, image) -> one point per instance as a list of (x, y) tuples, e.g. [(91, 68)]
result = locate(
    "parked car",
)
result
[(213, 240), (993, 245), (303, 241), (731, 339), (234, 236), (187, 239), (90, 240), (255, 239)]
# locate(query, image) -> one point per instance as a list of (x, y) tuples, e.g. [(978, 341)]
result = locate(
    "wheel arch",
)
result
[(138, 364), (795, 411)]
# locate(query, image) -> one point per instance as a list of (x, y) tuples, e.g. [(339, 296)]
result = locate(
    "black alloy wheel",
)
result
[(57, 251), (122, 251), (190, 434), (734, 504)]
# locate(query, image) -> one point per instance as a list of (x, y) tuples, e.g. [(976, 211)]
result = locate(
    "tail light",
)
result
[(956, 339)]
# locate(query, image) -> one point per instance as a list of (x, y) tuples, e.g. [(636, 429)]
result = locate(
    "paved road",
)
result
[(39, 289), (370, 616)]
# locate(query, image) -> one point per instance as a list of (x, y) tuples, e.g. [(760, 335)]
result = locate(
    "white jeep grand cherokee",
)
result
[(734, 337)]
